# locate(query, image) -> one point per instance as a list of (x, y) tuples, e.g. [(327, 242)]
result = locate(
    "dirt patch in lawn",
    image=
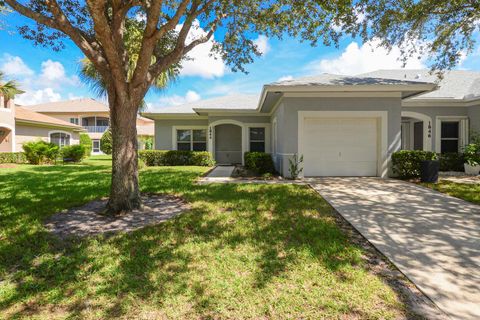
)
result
[(88, 219), (7, 165)]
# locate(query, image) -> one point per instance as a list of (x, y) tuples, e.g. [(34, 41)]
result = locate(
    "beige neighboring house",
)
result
[(19, 125), (93, 116)]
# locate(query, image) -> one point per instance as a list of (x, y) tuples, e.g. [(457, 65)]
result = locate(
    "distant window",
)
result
[(102, 123), (257, 139), (60, 139), (95, 146), (192, 140), (450, 136), (74, 120)]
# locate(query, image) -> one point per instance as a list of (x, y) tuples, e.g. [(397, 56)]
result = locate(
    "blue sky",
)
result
[(46, 75)]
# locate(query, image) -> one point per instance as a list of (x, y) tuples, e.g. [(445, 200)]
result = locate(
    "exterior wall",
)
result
[(435, 113), (474, 115), (25, 133), (6, 142), (287, 120), (7, 125), (164, 128)]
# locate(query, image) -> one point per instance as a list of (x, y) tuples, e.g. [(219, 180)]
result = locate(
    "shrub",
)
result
[(141, 164), (471, 154), (407, 163), (451, 161), (294, 166), (106, 142), (12, 157), (86, 142), (40, 152), (259, 162), (76, 152), (176, 158)]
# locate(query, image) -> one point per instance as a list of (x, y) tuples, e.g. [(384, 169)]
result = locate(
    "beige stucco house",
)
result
[(93, 116), (19, 125)]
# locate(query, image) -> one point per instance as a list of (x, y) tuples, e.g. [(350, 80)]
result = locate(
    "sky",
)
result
[(47, 76)]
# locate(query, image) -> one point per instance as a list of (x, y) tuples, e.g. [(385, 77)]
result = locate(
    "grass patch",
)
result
[(465, 191), (243, 251)]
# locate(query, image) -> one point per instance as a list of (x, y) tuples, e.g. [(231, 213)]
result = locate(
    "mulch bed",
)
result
[(88, 219)]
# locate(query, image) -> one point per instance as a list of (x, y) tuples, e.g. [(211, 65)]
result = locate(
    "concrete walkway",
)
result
[(434, 239), (219, 174)]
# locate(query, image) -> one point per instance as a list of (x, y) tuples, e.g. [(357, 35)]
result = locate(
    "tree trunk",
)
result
[(124, 191)]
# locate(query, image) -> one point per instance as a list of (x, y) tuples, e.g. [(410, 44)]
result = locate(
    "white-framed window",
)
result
[(257, 139), (61, 139), (96, 146), (74, 120), (191, 139)]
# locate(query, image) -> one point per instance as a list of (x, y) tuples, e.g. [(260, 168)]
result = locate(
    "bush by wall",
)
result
[(260, 162), (12, 157), (407, 163), (176, 158), (86, 142), (106, 142), (74, 153), (40, 152), (451, 161)]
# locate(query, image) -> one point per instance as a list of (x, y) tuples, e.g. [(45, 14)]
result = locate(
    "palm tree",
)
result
[(8, 89)]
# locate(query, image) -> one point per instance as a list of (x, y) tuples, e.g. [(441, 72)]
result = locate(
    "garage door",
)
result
[(340, 147)]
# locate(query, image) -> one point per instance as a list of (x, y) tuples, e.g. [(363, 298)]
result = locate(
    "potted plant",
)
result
[(471, 154)]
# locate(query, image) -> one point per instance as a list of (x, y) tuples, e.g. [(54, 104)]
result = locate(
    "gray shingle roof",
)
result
[(456, 84), (327, 79)]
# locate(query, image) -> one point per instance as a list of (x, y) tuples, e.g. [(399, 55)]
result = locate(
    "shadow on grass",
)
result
[(264, 229)]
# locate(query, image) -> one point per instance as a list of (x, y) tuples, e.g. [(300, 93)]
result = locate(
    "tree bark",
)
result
[(124, 190)]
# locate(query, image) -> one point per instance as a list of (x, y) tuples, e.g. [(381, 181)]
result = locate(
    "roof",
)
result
[(76, 105), (229, 102), (456, 84), (327, 79), (23, 114)]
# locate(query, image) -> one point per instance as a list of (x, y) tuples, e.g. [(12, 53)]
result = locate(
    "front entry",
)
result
[(228, 144)]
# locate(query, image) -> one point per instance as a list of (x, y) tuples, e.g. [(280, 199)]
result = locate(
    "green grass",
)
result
[(465, 191), (243, 251)]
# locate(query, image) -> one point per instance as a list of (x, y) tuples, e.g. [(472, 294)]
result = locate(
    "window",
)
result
[(74, 120), (60, 139), (95, 146), (450, 135), (102, 122), (192, 140), (257, 139)]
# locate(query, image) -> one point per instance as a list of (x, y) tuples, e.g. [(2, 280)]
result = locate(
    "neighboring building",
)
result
[(342, 125), (19, 125), (93, 116)]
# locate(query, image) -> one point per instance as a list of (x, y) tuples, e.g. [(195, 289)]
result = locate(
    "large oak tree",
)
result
[(98, 28)]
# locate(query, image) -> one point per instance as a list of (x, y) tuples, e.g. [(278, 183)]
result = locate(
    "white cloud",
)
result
[(201, 61), (357, 59), (14, 66), (38, 96), (53, 74), (285, 78), (262, 44), (175, 100)]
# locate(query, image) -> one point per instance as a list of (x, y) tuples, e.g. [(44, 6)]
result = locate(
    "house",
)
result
[(19, 125), (342, 125), (93, 116)]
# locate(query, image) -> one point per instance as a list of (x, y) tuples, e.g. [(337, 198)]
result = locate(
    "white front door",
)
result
[(340, 147)]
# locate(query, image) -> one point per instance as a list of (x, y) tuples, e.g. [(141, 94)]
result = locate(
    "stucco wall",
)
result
[(474, 115), (287, 120), (163, 131), (26, 133)]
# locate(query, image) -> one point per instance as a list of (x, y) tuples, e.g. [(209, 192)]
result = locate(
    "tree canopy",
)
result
[(8, 89)]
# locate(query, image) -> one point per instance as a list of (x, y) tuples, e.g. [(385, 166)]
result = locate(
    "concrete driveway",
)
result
[(434, 239)]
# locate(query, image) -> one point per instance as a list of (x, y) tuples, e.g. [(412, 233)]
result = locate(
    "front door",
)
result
[(228, 144)]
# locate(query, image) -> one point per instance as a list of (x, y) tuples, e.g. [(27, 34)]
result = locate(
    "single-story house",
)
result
[(19, 125), (342, 125)]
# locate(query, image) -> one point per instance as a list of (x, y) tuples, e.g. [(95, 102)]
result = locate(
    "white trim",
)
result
[(60, 131), (274, 138), (462, 136), (211, 138), (427, 138), (174, 133), (375, 94), (383, 157), (12, 132), (267, 127)]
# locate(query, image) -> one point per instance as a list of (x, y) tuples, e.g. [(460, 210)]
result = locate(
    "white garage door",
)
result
[(340, 147)]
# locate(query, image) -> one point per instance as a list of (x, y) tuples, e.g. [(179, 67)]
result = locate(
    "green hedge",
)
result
[(12, 157), (86, 142), (451, 161), (259, 162), (407, 163), (176, 158), (40, 152), (74, 152)]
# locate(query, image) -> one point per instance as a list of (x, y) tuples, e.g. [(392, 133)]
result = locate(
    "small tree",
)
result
[(106, 142), (86, 142)]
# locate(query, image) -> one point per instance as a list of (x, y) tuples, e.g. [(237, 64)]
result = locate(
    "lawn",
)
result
[(243, 251), (465, 191)]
